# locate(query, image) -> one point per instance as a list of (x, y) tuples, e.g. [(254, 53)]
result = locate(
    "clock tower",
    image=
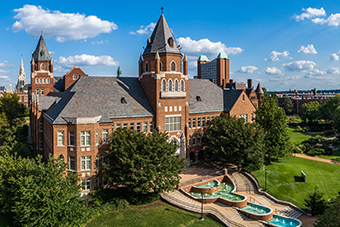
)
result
[(41, 70)]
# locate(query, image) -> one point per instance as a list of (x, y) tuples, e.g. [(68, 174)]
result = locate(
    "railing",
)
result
[(251, 199)]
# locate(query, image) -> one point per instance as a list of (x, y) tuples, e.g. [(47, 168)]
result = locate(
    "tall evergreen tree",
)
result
[(143, 163), (331, 217), (273, 120), (231, 140)]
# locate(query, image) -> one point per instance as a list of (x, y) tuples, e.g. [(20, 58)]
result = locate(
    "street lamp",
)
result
[(266, 180), (202, 218)]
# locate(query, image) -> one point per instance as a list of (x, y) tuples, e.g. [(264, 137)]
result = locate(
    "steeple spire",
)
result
[(41, 52), (21, 76), (21, 71), (162, 39)]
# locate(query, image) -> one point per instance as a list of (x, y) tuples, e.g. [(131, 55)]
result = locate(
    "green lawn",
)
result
[(283, 179), (298, 137), (156, 214), (335, 156), (6, 220)]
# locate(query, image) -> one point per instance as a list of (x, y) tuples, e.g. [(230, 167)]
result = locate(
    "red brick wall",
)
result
[(243, 107), (68, 78)]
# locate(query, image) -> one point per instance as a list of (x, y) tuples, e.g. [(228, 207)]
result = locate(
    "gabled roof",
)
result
[(211, 96), (230, 97), (41, 52), (100, 98), (162, 39)]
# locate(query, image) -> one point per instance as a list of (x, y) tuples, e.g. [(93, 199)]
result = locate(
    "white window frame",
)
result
[(163, 85), (182, 86), (145, 127), (85, 162), (170, 88), (60, 138), (173, 123), (176, 85), (74, 77), (86, 184), (105, 135), (85, 138)]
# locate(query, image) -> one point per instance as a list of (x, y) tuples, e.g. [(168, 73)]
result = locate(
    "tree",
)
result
[(273, 120), (310, 112), (143, 163), (331, 217), (10, 106), (328, 108), (315, 201), (288, 105), (336, 121), (231, 140), (40, 194)]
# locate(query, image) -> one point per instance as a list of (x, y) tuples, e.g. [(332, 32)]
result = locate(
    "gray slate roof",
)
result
[(58, 84), (45, 102), (41, 52), (100, 96), (210, 94), (160, 39), (230, 97)]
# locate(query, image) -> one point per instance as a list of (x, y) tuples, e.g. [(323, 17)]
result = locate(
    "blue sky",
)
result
[(282, 44)]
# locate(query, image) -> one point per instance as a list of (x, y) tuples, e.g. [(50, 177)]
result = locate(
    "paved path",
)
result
[(317, 159)]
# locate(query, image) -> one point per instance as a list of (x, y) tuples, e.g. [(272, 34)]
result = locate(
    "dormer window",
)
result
[(171, 42), (173, 66), (123, 101), (198, 98)]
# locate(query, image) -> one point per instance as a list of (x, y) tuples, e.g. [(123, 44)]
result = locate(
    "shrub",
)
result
[(316, 151), (297, 149), (299, 129), (316, 202)]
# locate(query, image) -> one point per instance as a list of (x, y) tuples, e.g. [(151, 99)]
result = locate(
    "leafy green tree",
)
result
[(331, 217), (328, 108), (336, 121), (288, 106), (10, 106), (274, 96), (310, 112), (40, 194), (231, 140), (143, 163), (316, 201), (273, 120)]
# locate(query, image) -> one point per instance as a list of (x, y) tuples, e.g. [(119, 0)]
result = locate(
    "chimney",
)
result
[(231, 81), (250, 81)]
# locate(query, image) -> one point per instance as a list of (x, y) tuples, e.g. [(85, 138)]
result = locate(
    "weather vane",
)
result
[(162, 9)]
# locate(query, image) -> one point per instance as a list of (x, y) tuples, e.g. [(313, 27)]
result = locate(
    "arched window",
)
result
[(176, 85), (160, 66), (146, 66), (36, 81), (170, 85), (163, 85), (40, 81), (182, 85), (44, 81), (173, 66), (48, 81), (42, 66)]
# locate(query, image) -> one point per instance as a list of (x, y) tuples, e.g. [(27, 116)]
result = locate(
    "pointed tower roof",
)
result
[(41, 53), (157, 56), (259, 89), (162, 39), (185, 59), (21, 70)]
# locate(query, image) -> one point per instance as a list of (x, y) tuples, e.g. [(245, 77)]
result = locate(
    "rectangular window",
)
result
[(194, 123), (132, 126), (138, 126), (203, 122), (42, 92), (251, 117), (151, 127), (208, 121), (165, 109), (118, 125), (85, 184), (199, 139), (189, 122), (41, 144), (105, 135), (72, 163), (85, 162), (71, 138), (125, 125), (145, 127), (37, 91), (60, 138), (26, 99), (41, 126), (172, 124), (245, 117), (85, 138), (194, 140), (198, 122), (97, 137), (97, 161)]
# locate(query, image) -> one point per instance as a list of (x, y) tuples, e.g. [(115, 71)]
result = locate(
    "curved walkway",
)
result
[(316, 158)]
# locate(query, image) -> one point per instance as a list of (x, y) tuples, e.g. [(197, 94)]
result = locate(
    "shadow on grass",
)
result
[(298, 179)]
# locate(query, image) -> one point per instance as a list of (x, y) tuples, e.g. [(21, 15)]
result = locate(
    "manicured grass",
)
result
[(155, 214), (335, 156), (284, 182), (298, 137), (6, 220)]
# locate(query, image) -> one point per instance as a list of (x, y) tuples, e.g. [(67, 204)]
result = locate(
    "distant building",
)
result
[(2, 88), (22, 88)]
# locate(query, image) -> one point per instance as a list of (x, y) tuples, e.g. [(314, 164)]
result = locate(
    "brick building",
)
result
[(73, 116)]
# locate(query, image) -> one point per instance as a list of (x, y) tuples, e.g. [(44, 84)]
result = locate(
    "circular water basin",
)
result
[(257, 209), (285, 222)]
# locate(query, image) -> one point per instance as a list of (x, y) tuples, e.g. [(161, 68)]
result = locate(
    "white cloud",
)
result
[(333, 70), (65, 26), (100, 42), (309, 49), (334, 57), (293, 77), (247, 69), (275, 55), (317, 77), (299, 66), (310, 13), (332, 20), (205, 46), (5, 64), (4, 77), (145, 30), (273, 71), (317, 72), (3, 71), (87, 60)]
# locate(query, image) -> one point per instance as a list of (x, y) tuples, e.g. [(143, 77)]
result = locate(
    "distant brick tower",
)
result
[(41, 70), (163, 74), (260, 94)]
